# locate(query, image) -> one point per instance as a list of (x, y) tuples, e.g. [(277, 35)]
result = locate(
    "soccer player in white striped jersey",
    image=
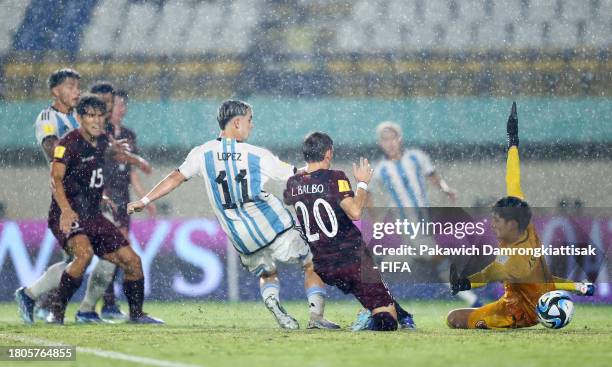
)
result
[(259, 226), (402, 175)]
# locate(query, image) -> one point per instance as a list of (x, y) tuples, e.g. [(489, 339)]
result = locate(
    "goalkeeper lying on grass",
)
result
[(525, 277)]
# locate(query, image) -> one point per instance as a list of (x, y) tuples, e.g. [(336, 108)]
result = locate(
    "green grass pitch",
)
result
[(245, 334)]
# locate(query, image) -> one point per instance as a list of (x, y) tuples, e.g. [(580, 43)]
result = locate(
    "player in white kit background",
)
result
[(259, 226), (402, 177)]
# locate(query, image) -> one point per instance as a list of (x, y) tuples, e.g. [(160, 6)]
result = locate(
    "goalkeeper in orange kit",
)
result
[(525, 277)]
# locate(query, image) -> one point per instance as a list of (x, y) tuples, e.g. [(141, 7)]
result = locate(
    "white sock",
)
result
[(268, 289), (316, 301), (48, 281), (468, 296), (100, 278)]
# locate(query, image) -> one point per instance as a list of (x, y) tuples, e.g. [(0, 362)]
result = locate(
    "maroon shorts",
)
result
[(104, 237), (359, 279), (121, 217)]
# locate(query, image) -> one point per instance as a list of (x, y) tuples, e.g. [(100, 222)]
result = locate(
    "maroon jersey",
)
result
[(117, 174), (84, 178), (316, 197)]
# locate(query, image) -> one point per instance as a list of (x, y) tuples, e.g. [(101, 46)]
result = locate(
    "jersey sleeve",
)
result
[(425, 162), (191, 165), (287, 199), (274, 168), (340, 187), (63, 152), (513, 174), (45, 126)]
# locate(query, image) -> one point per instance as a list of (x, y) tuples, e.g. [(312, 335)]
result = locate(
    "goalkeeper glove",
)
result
[(586, 289), (512, 128), (458, 283)]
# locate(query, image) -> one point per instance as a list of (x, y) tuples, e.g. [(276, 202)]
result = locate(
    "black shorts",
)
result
[(359, 279), (104, 237)]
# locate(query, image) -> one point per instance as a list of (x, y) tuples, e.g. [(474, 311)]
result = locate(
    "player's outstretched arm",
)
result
[(513, 167), (163, 188), (353, 206), (140, 191), (580, 288), (441, 184)]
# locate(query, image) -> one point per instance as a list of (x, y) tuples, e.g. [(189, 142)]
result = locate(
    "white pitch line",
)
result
[(100, 352)]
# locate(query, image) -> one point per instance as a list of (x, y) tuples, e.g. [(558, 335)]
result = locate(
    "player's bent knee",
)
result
[(383, 321)]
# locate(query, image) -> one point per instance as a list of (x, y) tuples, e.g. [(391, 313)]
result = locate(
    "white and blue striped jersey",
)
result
[(51, 122), (404, 180), (234, 174)]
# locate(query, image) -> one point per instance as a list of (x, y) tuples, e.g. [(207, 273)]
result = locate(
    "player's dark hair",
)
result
[(101, 87), (382, 321), (315, 146), (90, 101), (513, 208), (123, 94), (58, 77), (230, 109)]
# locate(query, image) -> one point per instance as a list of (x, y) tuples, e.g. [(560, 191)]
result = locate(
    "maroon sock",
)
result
[(67, 288), (134, 292), (109, 293)]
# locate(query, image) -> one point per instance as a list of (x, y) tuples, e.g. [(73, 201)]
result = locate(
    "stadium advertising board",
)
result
[(187, 258)]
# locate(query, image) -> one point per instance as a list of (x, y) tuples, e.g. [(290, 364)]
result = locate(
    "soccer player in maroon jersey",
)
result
[(118, 175), (326, 207), (75, 217)]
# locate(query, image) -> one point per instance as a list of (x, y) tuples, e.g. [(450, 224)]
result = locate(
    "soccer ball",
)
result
[(555, 309)]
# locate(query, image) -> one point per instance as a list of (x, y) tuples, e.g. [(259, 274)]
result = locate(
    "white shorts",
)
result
[(288, 248)]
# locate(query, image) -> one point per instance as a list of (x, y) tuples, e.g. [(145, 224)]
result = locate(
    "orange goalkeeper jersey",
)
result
[(525, 277)]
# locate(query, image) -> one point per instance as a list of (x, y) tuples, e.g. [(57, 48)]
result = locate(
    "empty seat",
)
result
[(169, 35), (99, 35), (11, 17), (507, 11), (542, 10), (350, 37), (436, 11), (135, 36), (401, 11), (366, 12), (206, 28), (472, 10)]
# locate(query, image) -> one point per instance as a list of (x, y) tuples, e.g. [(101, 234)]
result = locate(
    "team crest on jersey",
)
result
[(343, 186), (48, 129), (59, 152)]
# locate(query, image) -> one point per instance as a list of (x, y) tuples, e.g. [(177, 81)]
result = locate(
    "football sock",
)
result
[(67, 288), (268, 289), (134, 292), (109, 293), (468, 296), (102, 274), (316, 301), (382, 321), (48, 281)]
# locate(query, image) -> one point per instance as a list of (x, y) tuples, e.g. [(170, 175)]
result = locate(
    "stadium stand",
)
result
[(190, 48)]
